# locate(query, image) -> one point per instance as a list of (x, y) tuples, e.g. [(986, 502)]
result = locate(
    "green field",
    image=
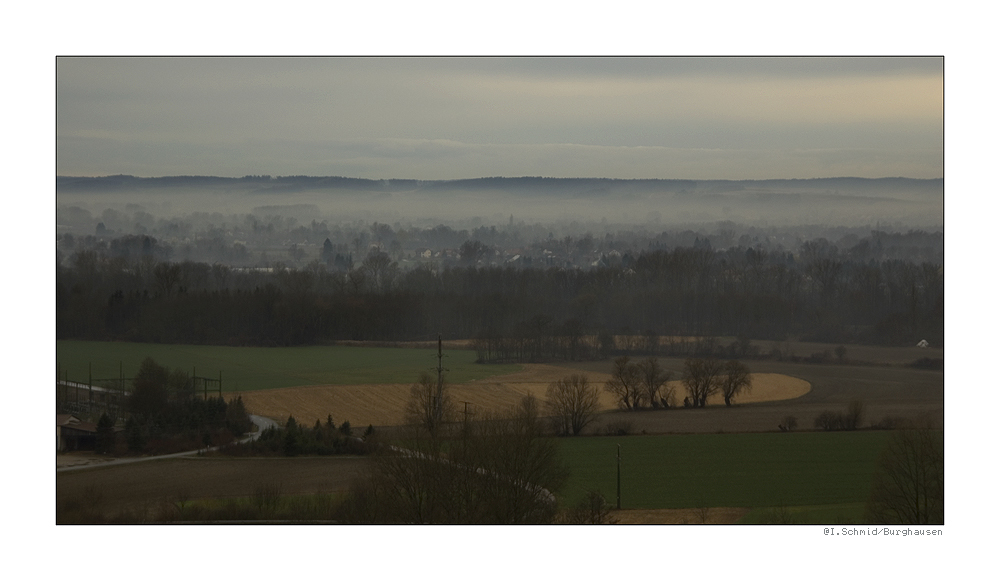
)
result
[(822, 473), (252, 368)]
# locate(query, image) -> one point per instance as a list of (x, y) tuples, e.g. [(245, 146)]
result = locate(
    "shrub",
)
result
[(593, 509), (819, 357), (928, 363), (833, 421), (266, 497), (890, 423), (828, 421), (619, 427), (855, 413), (778, 516)]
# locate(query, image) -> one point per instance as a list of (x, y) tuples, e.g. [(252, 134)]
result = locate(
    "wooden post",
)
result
[(220, 384), (619, 476)]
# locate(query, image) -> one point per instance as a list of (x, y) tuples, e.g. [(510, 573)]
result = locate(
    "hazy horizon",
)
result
[(845, 202)]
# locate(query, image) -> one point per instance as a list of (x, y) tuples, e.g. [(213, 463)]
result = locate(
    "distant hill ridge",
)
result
[(265, 183)]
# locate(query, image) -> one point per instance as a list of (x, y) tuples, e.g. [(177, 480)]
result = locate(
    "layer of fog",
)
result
[(265, 221), (913, 203)]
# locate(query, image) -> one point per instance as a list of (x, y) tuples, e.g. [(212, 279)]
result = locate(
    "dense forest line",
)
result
[(130, 290)]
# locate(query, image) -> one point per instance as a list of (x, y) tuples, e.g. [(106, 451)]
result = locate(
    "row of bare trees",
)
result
[(573, 402), (642, 384), (638, 385), (706, 377)]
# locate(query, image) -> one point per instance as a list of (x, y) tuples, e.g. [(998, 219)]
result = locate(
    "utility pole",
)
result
[(619, 476), (465, 428), (439, 394)]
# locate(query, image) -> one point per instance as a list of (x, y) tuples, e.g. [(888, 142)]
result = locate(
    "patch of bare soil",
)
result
[(148, 483), (80, 459), (384, 404), (680, 516)]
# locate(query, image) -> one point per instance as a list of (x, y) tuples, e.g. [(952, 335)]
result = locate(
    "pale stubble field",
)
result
[(384, 404)]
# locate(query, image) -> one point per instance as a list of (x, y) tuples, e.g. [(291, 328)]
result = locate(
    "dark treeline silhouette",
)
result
[(131, 291), (165, 414)]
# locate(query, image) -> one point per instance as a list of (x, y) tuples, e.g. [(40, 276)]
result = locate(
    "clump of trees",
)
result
[(830, 421), (624, 384), (165, 414), (734, 381), (700, 380), (652, 379), (638, 385), (295, 439), (788, 424), (646, 383), (706, 377)]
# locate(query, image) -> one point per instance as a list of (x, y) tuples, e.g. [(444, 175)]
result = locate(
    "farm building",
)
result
[(74, 434)]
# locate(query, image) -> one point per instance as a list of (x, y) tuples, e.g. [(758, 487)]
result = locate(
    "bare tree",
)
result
[(736, 380), (507, 473), (700, 379), (909, 482), (381, 270), (855, 414), (573, 403), (653, 378), (593, 509), (357, 278), (625, 384), (429, 407)]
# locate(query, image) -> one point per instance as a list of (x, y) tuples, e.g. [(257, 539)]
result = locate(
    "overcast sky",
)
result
[(451, 118)]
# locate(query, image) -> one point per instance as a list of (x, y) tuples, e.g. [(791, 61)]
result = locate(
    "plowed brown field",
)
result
[(680, 516), (384, 404)]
